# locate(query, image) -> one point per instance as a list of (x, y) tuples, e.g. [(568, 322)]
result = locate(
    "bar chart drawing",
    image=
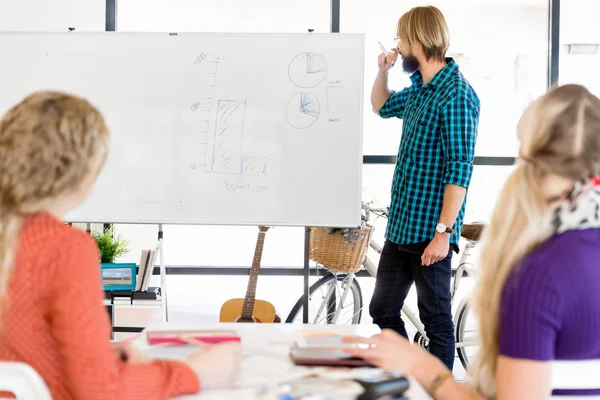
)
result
[(226, 151), (255, 165), (228, 137)]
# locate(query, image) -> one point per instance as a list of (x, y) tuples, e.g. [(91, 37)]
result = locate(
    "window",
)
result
[(52, 16), (486, 184), (377, 183), (580, 42), (501, 47), (223, 15)]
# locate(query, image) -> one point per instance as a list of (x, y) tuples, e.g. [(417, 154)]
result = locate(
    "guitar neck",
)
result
[(248, 308)]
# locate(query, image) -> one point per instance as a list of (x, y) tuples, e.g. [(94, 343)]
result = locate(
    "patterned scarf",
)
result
[(580, 210)]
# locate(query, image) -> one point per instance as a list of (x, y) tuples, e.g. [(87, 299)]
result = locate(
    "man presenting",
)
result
[(440, 113)]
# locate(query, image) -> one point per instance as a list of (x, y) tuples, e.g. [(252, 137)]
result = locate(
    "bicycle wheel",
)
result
[(466, 334), (324, 297)]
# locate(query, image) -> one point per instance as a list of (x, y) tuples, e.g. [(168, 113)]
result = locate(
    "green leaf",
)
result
[(111, 245)]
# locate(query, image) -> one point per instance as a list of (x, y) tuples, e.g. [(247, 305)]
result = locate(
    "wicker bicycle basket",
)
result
[(333, 252)]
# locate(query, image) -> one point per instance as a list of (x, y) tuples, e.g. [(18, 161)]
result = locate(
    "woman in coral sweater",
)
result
[(52, 148)]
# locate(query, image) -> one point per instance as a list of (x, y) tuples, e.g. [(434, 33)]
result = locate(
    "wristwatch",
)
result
[(442, 228)]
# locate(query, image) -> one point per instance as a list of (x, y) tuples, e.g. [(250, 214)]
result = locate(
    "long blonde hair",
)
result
[(49, 144), (426, 26), (559, 134)]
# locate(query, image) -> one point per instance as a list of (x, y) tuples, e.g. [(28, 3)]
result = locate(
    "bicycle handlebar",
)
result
[(376, 210)]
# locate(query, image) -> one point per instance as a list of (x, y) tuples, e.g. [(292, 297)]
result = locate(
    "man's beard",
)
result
[(410, 64)]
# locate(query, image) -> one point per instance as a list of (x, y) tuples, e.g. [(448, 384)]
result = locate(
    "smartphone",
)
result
[(392, 386)]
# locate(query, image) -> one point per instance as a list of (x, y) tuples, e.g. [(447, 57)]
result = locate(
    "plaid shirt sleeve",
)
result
[(395, 105), (459, 133)]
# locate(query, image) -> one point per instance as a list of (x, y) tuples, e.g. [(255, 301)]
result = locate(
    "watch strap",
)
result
[(438, 381), (448, 228)]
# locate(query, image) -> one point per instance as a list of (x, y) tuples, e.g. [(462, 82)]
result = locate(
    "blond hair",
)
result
[(560, 134), (49, 144), (425, 26)]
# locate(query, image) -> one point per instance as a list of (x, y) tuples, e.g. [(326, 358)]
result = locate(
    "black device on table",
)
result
[(389, 386)]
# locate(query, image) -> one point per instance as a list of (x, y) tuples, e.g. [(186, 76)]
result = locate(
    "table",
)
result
[(266, 361)]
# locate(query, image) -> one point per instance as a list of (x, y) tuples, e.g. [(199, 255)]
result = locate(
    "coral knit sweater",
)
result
[(55, 321)]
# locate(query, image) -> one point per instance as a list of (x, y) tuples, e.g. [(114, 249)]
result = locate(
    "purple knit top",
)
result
[(550, 307)]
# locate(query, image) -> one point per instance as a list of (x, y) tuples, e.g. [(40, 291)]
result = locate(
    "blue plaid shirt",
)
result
[(437, 148)]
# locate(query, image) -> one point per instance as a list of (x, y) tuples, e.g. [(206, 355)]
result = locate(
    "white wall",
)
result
[(52, 15), (579, 24), (579, 21)]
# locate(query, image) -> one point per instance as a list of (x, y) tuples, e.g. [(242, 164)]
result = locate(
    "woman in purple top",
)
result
[(538, 296)]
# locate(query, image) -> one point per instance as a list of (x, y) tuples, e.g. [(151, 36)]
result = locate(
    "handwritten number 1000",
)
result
[(201, 57)]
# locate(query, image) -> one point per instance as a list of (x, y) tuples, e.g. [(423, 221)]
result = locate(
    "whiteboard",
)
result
[(257, 129)]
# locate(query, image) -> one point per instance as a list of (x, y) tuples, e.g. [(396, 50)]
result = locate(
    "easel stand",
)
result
[(306, 275), (163, 275)]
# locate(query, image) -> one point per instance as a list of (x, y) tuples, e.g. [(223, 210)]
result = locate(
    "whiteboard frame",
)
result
[(359, 36)]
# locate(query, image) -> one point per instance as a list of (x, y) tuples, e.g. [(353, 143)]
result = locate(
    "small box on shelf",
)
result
[(119, 276)]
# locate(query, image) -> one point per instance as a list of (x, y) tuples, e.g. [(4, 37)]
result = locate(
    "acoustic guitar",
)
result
[(249, 309)]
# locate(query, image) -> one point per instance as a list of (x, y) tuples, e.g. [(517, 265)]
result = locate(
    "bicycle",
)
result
[(333, 303)]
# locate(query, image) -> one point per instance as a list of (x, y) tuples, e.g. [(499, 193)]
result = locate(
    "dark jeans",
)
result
[(396, 273)]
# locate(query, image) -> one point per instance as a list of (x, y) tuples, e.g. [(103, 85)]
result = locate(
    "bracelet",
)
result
[(438, 381)]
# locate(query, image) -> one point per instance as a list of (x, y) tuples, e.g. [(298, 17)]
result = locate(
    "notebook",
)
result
[(177, 337), (149, 268), (142, 269), (324, 350)]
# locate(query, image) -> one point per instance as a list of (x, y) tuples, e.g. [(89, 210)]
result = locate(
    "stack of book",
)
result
[(147, 263)]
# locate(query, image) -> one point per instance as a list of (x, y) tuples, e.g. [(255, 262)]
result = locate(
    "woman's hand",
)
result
[(216, 365), (131, 354), (392, 352), (389, 351)]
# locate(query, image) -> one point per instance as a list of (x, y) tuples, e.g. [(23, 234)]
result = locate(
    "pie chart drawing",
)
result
[(308, 69), (303, 110)]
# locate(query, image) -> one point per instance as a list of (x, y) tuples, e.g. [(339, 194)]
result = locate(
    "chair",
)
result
[(575, 375), (23, 381)]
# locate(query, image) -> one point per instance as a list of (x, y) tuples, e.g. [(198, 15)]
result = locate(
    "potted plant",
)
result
[(116, 276)]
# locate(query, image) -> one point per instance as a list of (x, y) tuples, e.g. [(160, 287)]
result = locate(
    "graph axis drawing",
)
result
[(303, 110), (307, 69)]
